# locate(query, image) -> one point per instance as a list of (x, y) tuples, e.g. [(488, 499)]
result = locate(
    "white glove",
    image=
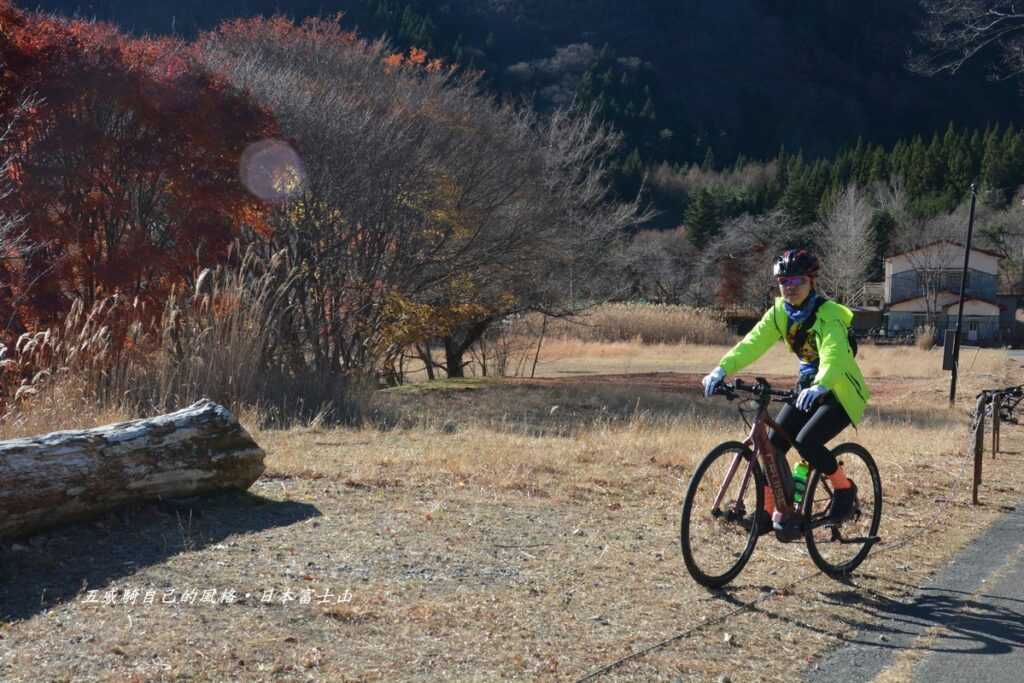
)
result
[(805, 401), (712, 380)]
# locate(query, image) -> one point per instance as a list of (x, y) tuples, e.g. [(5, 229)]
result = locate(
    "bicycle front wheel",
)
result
[(719, 521), (839, 548)]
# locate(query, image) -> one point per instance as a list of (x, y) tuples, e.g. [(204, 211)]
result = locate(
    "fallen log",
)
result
[(74, 475)]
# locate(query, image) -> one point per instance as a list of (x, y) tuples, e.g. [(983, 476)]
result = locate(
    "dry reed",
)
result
[(222, 341), (646, 323)]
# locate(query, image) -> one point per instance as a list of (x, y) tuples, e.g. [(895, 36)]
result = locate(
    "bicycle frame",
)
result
[(762, 448)]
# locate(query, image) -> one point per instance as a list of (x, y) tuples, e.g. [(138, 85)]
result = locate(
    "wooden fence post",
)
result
[(997, 403), (979, 442)]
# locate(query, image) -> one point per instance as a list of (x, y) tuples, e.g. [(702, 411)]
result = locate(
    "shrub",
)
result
[(925, 337), (222, 341), (647, 323)]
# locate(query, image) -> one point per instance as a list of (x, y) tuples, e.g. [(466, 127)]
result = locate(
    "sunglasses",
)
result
[(792, 280)]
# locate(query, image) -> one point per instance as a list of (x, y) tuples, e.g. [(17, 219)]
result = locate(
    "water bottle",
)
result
[(800, 472)]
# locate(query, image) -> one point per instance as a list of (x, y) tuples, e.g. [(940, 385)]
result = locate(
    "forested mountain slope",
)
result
[(680, 77)]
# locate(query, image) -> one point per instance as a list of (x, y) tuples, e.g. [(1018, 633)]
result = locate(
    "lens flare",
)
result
[(272, 170)]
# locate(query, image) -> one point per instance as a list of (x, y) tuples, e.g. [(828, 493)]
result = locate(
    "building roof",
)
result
[(970, 299), (953, 242), (956, 294)]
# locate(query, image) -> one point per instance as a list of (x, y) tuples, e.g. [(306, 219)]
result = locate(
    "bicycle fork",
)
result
[(728, 480)]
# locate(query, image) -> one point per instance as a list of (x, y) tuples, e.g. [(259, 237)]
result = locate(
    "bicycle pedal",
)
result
[(789, 531)]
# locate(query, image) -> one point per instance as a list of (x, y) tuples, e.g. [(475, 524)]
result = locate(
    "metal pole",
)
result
[(960, 308)]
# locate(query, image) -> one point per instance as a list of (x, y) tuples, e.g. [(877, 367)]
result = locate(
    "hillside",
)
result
[(680, 77)]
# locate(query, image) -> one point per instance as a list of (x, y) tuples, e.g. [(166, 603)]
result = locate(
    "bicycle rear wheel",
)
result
[(838, 549), (715, 544)]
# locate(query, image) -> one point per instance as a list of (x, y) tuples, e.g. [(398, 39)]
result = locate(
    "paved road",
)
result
[(973, 613)]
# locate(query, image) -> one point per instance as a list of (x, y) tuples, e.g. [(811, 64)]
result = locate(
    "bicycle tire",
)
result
[(705, 575), (867, 528)]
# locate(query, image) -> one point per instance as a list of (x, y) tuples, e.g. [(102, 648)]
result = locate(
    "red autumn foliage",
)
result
[(417, 56), (299, 39), (733, 275), (126, 172)]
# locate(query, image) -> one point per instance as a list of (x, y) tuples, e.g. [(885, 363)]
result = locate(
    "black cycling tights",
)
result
[(811, 431)]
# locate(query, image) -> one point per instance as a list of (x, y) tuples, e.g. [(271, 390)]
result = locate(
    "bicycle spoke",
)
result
[(838, 547), (715, 534)]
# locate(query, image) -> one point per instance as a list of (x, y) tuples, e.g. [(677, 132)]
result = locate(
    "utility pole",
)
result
[(963, 286)]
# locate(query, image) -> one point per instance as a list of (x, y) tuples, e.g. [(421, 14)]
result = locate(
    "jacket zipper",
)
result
[(856, 385)]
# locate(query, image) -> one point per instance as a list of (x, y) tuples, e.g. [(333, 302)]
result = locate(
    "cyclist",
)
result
[(832, 389)]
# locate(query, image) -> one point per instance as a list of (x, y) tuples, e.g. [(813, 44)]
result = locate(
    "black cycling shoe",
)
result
[(790, 529), (764, 522), (843, 505)]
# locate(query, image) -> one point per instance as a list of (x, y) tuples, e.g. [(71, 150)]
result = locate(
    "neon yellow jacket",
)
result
[(837, 370)]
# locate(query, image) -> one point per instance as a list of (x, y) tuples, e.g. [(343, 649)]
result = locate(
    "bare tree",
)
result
[(958, 31), (563, 223), (426, 209), (658, 265), (14, 238), (892, 198), (737, 266), (1003, 233), (844, 243)]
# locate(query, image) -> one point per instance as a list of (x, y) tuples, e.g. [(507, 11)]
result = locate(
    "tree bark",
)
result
[(73, 475), (428, 361), (453, 352), (455, 346)]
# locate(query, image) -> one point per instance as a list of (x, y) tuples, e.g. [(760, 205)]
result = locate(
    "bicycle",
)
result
[(719, 527), (1011, 398)]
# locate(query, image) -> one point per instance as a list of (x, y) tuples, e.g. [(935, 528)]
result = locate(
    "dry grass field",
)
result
[(498, 529)]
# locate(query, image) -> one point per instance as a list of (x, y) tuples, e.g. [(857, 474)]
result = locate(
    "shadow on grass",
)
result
[(51, 567), (973, 624)]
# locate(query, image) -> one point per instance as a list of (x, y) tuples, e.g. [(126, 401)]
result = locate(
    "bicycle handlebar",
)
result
[(1014, 391), (760, 389)]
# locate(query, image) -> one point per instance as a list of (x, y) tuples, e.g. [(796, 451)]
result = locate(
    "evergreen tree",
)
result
[(993, 171), (898, 161), (709, 160), (883, 225), (799, 202), (960, 171), (633, 166), (915, 168), (879, 168), (702, 220)]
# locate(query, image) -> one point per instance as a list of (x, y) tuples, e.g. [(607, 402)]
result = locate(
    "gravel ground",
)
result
[(326, 579)]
